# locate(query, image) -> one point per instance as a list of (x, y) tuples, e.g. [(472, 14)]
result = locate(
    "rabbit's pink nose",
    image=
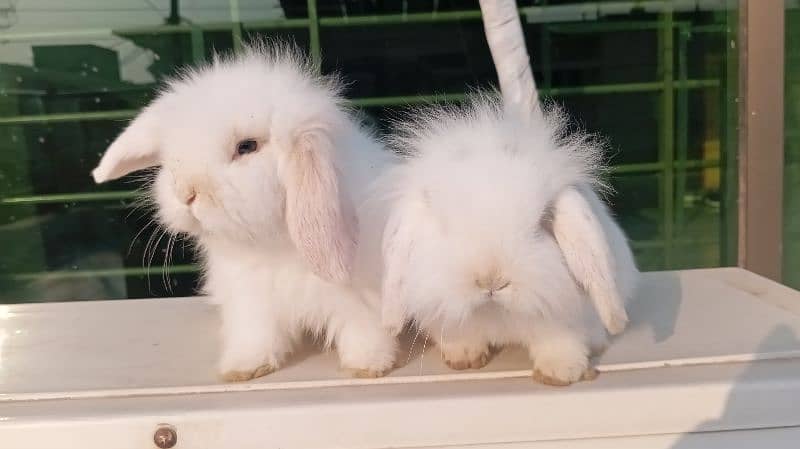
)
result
[(190, 199), (492, 282)]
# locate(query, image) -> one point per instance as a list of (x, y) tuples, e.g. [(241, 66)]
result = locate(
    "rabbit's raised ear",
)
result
[(136, 148), (320, 217), (588, 251)]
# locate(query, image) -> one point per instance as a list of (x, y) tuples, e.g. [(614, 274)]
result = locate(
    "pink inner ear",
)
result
[(109, 169), (135, 149), (321, 220)]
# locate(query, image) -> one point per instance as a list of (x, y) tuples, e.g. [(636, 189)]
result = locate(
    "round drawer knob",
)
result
[(165, 436)]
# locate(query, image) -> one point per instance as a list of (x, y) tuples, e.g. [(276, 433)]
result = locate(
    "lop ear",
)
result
[(136, 148), (596, 253), (319, 215)]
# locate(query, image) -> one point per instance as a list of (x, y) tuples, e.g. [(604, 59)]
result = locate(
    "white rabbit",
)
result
[(262, 165), (496, 237)]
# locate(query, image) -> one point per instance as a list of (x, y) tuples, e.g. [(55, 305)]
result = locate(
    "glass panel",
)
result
[(659, 84), (791, 210), (404, 62)]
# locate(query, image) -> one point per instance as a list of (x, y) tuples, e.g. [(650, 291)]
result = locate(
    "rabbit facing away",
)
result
[(263, 167), (495, 236)]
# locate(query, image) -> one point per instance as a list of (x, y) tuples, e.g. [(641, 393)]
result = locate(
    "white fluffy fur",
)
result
[(495, 237), (277, 228)]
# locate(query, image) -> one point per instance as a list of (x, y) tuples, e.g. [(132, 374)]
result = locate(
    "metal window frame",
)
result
[(760, 109), (761, 136)]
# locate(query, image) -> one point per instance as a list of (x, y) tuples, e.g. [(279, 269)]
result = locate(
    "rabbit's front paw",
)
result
[(466, 357), (369, 373), (366, 353), (243, 375), (374, 369), (562, 368), (241, 363)]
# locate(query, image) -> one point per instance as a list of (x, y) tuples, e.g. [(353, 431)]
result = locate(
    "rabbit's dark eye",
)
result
[(246, 146)]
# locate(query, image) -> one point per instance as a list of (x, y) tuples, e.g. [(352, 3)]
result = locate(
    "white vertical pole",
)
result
[(507, 44)]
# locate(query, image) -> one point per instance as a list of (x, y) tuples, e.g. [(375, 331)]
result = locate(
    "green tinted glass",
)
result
[(658, 79)]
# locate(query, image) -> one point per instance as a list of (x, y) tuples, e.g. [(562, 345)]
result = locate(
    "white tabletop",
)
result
[(163, 346), (707, 351)]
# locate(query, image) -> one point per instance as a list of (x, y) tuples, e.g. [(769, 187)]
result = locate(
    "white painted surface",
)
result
[(124, 346), (124, 363), (786, 438)]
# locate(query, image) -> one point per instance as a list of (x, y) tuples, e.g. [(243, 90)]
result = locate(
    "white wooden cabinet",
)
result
[(711, 360)]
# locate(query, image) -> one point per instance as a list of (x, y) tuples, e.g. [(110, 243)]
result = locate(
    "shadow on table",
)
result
[(748, 404)]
